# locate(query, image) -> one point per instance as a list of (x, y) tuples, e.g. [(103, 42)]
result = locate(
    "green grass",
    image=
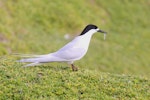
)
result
[(49, 82), (38, 27)]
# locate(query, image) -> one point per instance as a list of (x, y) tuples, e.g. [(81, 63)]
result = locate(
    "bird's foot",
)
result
[(74, 68)]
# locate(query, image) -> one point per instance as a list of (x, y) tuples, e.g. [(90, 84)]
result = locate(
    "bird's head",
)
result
[(92, 29)]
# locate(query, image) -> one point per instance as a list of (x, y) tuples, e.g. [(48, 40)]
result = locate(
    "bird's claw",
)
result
[(74, 68)]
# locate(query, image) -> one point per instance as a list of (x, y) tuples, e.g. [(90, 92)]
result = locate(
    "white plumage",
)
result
[(71, 52)]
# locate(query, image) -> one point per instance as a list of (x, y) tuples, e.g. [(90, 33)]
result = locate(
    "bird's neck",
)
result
[(85, 41), (88, 36)]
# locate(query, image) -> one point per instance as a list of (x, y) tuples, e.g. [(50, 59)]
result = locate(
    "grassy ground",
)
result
[(60, 83), (39, 27)]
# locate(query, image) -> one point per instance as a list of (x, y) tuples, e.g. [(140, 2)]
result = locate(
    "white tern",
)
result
[(71, 52)]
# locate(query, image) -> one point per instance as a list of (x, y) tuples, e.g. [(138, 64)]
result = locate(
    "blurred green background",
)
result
[(39, 27)]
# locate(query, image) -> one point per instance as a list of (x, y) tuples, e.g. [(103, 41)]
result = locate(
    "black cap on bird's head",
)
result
[(89, 27)]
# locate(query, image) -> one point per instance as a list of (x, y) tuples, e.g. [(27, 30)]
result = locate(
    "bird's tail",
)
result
[(32, 64), (32, 59), (27, 55)]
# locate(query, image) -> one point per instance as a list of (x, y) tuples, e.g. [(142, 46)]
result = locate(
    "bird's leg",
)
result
[(74, 68)]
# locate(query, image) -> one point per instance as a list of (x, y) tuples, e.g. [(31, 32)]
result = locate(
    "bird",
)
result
[(71, 52)]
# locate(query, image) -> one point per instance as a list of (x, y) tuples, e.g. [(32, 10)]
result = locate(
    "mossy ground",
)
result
[(117, 68)]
